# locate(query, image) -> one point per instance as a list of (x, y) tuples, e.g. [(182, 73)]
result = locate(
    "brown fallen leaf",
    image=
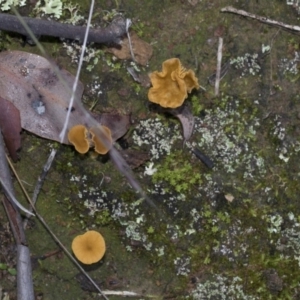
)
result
[(10, 125), (142, 50), (30, 83), (135, 158), (186, 118), (117, 123)]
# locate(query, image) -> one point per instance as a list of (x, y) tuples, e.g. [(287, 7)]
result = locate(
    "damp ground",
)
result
[(230, 231)]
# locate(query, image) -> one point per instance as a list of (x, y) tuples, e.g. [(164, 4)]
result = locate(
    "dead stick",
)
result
[(110, 34), (40, 183), (219, 62), (231, 9)]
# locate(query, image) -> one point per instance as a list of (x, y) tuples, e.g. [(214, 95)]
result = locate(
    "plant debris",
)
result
[(10, 125), (111, 34)]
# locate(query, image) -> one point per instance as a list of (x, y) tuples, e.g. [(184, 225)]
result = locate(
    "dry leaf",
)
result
[(31, 84), (185, 116), (135, 158), (142, 50), (117, 123), (10, 125)]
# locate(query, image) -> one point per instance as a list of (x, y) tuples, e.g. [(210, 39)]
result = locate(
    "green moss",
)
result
[(177, 172)]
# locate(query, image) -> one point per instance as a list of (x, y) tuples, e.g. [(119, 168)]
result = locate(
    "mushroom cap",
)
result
[(170, 87), (77, 136), (89, 247), (101, 137)]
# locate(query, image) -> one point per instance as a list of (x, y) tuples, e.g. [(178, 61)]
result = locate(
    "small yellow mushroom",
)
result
[(77, 136), (171, 86), (89, 247), (101, 137)]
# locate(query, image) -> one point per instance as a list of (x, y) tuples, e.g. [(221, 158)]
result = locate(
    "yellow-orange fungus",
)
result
[(89, 247), (101, 137), (171, 86), (77, 136)]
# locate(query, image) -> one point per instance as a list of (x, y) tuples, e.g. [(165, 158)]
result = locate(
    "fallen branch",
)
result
[(265, 20), (111, 34)]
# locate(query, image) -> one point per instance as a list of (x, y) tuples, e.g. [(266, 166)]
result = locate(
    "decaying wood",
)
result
[(110, 35), (241, 12)]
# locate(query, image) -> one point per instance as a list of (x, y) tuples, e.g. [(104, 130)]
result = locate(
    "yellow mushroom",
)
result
[(77, 136), (171, 86), (101, 137), (89, 247)]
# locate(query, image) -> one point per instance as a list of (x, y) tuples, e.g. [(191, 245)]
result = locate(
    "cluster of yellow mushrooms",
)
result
[(169, 89), (98, 136)]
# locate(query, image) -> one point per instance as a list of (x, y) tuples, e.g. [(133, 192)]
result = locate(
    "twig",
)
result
[(111, 34), (219, 63), (231, 9), (12, 198), (24, 277), (127, 294), (74, 88), (24, 274), (39, 183), (128, 24)]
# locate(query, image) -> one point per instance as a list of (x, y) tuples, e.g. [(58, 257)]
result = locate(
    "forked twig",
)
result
[(265, 20)]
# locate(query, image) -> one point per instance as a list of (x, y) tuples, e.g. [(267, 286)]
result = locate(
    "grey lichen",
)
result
[(221, 288)]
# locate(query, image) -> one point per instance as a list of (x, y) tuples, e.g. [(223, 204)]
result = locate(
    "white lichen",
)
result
[(7, 4), (157, 136), (49, 7), (220, 288)]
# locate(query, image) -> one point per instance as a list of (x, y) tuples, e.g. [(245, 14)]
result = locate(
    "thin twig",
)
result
[(39, 183), (231, 9), (219, 63), (64, 129), (128, 24), (127, 294)]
